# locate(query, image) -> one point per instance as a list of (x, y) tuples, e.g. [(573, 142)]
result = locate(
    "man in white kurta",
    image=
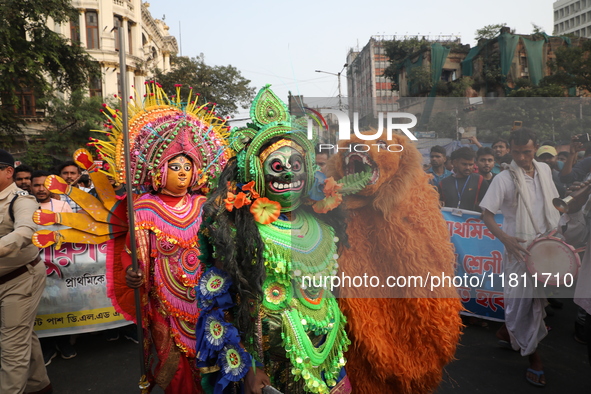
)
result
[(524, 302)]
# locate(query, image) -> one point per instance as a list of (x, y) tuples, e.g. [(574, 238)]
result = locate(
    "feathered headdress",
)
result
[(161, 128), (271, 119)]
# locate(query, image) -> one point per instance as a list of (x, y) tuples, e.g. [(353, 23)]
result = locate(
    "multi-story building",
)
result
[(572, 16), (147, 43), (369, 92)]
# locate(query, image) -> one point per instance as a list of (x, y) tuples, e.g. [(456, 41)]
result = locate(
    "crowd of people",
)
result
[(23, 191), (516, 177), (519, 177)]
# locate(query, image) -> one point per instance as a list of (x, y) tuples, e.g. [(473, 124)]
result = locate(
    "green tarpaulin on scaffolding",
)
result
[(507, 45), (413, 88), (467, 63), (439, 54), (535, 55)]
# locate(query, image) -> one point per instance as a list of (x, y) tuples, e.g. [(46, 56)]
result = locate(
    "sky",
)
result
[(282, 43)]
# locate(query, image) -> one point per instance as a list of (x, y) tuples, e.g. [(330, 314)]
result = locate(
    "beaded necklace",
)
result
[(293, 250)]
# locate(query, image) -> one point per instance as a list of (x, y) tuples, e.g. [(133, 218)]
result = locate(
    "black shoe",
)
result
[(49, 355), (67, 350)]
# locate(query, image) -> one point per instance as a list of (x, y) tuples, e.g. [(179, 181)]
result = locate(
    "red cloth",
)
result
[(171, 201)]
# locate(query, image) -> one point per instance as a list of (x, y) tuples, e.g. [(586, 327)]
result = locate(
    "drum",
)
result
[(552, 261)]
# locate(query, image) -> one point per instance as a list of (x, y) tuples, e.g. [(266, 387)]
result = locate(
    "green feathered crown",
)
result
[(271, 119)]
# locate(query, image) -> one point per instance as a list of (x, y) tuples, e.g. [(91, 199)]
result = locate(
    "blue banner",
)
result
[(479, 257)]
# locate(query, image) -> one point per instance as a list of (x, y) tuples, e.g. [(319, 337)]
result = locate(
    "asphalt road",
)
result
[(480, 367)]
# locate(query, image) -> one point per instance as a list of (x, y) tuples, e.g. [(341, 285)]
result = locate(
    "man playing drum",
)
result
[(525, 188)]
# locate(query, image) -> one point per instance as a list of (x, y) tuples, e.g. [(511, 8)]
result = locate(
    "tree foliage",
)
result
[(223, 85), (455, 88), (553, 118), (70, 125), (572, 66), (397, 51), (32, 56), (488, 32)]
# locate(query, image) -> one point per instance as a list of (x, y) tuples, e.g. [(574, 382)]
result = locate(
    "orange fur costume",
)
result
[(399, 345)]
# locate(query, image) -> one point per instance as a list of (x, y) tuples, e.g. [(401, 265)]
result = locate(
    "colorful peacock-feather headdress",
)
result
[(161, 128)]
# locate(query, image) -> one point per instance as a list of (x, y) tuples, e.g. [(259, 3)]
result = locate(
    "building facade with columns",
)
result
[(148, 44)]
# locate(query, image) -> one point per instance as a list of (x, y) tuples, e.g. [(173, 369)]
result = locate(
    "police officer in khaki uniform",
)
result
[(22, 280)]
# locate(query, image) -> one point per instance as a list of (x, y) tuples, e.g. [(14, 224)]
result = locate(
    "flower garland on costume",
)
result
[(218, 342), (262, 209), (302, 248)]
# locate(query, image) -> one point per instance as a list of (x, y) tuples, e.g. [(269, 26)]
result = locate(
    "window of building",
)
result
[(92, 34), (75, 30), (117, 23), (95, 88), (523, 63), (448, 75), (129, 38), (562, 13), (26, 105), (555, 15)]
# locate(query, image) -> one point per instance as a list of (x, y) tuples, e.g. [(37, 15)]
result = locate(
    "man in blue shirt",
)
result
[(438, 170)]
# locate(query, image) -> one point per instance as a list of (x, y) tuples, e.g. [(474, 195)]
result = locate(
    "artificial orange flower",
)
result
[(248, 187), (331, 187), (241, 200), (230, 201), (254, 194), (265, 211), (328, 203)]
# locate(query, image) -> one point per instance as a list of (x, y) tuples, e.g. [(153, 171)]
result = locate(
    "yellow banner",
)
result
[(77, 319)]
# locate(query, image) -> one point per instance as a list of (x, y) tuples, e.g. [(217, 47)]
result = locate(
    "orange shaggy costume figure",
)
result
[(399, 345)]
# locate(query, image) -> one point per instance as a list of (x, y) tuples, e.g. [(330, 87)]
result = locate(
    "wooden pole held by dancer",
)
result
[(143, 383)]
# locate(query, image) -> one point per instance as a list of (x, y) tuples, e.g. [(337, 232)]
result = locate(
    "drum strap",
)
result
[(525, 203)]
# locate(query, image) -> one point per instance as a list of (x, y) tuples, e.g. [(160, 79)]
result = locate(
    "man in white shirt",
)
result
[(43, 195), (524, 195), (70, 172)]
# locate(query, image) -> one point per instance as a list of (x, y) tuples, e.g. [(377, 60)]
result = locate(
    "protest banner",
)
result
[(479, 257), (75, 298)]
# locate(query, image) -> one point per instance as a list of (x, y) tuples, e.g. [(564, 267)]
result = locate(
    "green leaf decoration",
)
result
[(268, 108), (354, 183), (239, 138)]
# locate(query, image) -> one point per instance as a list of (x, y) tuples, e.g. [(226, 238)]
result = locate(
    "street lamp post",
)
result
[(339, 76)]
